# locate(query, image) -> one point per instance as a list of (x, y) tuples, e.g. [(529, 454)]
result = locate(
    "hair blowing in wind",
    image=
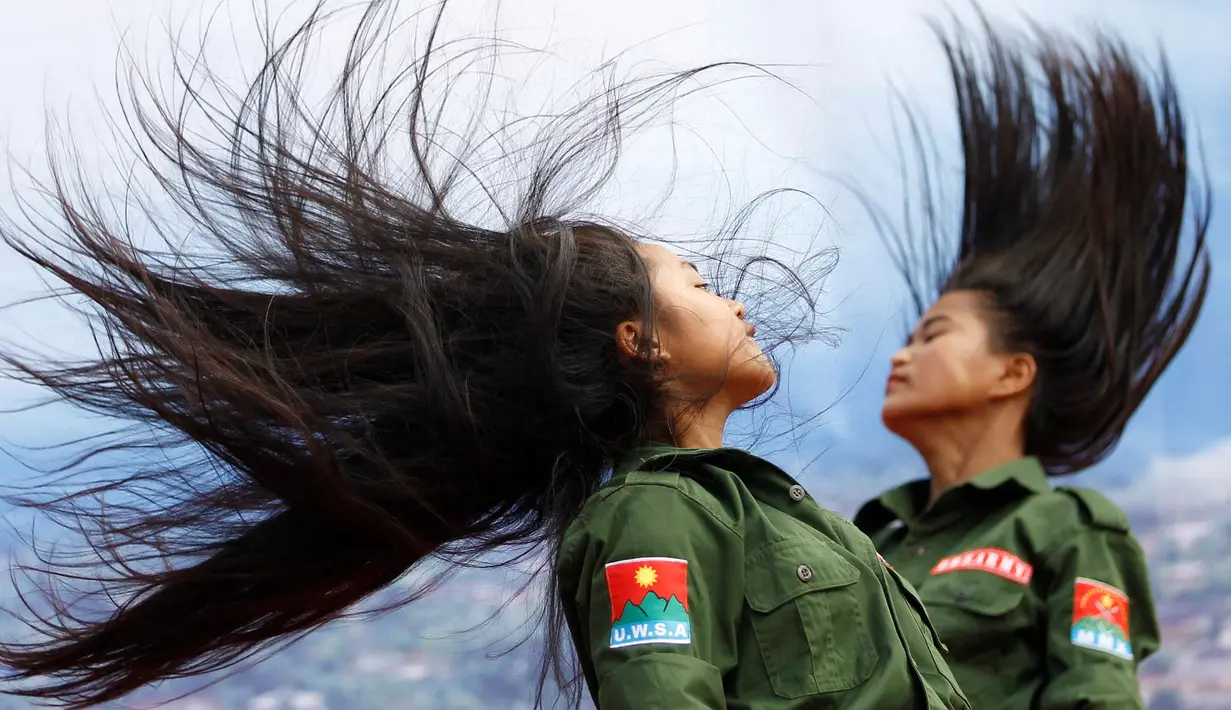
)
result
[(351, 376), (1076, 194)]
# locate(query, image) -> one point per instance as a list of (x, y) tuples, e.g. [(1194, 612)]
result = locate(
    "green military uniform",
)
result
[(1041, 595), (710, 579)]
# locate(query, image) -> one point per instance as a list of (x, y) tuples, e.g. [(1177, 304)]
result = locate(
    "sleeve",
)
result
[(1101, 623), (660, 601)]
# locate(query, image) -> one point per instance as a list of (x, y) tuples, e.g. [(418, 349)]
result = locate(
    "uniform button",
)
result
[(919, 551), (797, 493), (961, 595), (804, 572)]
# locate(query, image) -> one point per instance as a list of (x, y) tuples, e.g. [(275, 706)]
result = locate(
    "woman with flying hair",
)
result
[(368, 371), (1042, 327)]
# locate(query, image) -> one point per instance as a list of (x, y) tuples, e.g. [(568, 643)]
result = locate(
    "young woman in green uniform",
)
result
[(363, 382), (1064, 297)]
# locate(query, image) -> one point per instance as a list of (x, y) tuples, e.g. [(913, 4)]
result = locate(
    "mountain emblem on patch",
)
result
[(649, 601), (1100, 618)]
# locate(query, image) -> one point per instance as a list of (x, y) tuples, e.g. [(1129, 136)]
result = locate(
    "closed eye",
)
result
[(932, 327)]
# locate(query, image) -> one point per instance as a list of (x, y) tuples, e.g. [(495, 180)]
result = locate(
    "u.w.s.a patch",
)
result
[(649, 601)]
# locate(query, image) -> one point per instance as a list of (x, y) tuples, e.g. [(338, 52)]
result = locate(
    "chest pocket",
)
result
[(976, 613), (808, 620)]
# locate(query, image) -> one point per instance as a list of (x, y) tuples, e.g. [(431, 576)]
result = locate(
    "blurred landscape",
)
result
[(453, 651)]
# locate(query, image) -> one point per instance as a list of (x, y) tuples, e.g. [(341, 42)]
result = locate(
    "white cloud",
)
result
[(843, 53), (1198, 480)]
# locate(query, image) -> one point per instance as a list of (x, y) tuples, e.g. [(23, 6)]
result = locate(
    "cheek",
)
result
[(710, 347), (943, 372), (697, 343), (941, 381)]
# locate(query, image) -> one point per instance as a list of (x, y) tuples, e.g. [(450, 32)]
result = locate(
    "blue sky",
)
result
[(844, 54)]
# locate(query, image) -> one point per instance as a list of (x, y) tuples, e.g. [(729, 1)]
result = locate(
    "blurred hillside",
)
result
[(447, 653)]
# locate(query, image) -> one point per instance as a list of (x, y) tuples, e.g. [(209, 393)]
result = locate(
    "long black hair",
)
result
[(351, 377), (1072, 223)]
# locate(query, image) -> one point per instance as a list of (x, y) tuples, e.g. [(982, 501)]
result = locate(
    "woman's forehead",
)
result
[(663, 257), (951, 305), (955, 302)]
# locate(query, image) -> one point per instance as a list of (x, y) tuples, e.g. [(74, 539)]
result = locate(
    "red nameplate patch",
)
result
[(988, 559)]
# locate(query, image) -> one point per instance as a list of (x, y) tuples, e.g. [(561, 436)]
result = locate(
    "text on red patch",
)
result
[(988, 559)]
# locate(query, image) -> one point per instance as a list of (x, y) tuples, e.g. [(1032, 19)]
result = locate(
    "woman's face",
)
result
[(702, 338), (950, 367)]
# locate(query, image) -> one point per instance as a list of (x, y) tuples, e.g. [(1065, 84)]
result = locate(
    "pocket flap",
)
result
[(772, 574), (980, 597)]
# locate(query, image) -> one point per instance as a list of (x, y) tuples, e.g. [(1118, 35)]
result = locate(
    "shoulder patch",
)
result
[(992, 560), (1103, 513), (649, 601), (1100, 618)]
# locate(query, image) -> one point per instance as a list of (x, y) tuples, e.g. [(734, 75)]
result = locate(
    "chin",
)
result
[(896, 418), (752, 380), (769, 377), (910, 419)]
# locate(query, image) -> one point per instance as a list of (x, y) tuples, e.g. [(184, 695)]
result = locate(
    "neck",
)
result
[(957, 450), (692, 427)]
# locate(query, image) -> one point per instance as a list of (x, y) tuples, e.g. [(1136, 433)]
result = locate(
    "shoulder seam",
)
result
[(1103, 513), (671, 480)]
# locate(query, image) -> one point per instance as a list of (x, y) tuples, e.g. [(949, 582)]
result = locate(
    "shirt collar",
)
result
[(1026, 473), (657, 454), (907, 502)]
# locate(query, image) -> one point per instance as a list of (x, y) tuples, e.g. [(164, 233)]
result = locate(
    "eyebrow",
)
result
[(925, 323), (932, 319), (690, 265)]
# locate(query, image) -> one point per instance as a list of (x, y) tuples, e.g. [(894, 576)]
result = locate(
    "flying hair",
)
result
[(1076, 191), (342, 363)]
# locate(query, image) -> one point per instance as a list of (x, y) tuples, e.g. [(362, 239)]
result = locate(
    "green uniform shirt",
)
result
[(1041, 595), (710, 579)]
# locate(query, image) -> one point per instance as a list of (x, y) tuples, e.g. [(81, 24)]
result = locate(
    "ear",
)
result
[(1017, 375), (629, 339)]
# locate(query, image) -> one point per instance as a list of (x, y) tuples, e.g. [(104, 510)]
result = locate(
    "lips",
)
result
[(752, 330)]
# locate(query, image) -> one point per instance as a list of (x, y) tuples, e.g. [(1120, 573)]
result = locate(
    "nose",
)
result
[(900, 357), (738, 308)]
